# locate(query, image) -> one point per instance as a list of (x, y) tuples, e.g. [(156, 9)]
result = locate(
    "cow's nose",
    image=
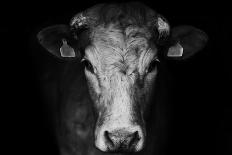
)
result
[(122, 140)]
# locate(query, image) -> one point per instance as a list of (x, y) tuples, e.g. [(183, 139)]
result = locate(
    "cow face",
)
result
[(121, 60), (120, 69)]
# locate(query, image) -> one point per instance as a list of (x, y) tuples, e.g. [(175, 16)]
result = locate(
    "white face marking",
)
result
[(119, 62)]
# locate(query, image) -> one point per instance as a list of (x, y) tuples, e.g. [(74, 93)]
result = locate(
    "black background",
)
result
[(201, 111)]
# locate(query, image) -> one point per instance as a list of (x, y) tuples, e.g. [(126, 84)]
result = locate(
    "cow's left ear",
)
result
[(187, 41)]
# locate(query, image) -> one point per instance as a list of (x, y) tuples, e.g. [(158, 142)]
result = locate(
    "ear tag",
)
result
[(66, 50), (175, 51)]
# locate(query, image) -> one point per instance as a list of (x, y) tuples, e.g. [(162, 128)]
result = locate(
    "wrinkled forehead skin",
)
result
[(125, 49)]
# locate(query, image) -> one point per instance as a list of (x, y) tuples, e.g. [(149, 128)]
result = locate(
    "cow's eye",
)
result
[(88, 65), (153, 64)]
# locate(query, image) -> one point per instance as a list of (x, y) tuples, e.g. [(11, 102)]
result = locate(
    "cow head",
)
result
[(120, 47)]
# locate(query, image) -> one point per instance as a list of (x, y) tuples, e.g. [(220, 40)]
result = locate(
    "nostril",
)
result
[(108, 139), (134, 140)]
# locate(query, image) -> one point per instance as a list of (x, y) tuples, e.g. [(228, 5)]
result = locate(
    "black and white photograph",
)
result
[(116, 78)]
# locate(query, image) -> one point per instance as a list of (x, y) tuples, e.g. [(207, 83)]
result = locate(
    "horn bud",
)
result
[(79, 20), (163, 27)]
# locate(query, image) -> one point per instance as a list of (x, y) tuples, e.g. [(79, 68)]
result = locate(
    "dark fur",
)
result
[(133, 13)]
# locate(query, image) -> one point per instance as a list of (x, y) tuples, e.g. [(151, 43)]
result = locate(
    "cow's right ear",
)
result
[(59, 41)]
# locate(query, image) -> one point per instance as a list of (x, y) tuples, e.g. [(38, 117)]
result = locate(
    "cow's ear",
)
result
[(58, 40), (187, 41)]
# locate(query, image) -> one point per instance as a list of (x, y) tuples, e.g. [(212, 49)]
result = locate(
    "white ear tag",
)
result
[(66, 50), (175, 51)]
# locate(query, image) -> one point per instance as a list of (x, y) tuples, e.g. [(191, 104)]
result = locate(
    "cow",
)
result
[(114, 63)]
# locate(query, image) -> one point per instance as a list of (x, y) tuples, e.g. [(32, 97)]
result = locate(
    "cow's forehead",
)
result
[(123, 39), (112, 45)]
